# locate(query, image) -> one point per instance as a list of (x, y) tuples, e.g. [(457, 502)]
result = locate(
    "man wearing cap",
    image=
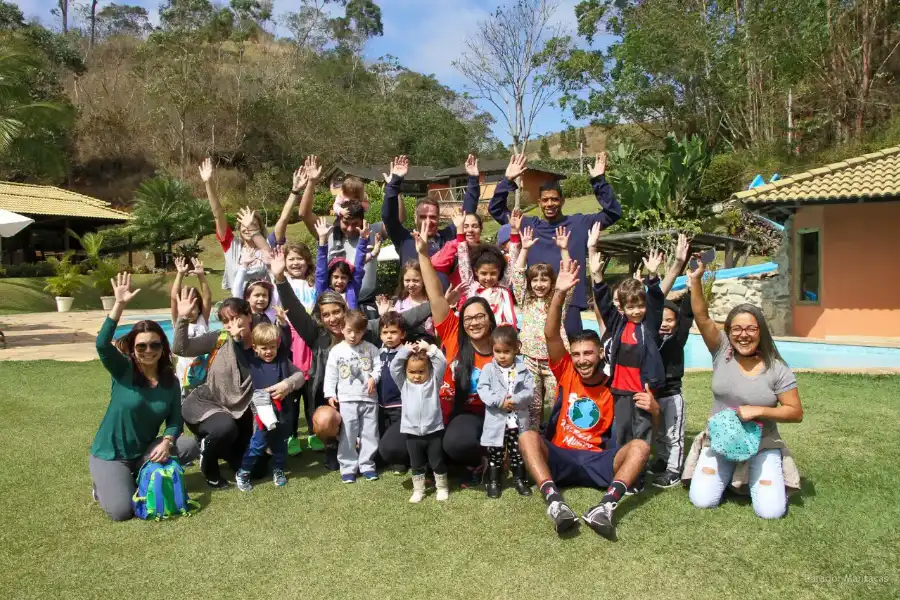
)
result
[(551, 203)]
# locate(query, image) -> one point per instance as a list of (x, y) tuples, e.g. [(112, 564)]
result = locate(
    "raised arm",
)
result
[(677, 266), (359, 262), (322, 229), (515, 246), (305, 326), (705, 324), (439, 306), (565, 281), (498, 207), (313, 172), (562, 242), (239, 284), (464, 264), (473, 188), (297, 185), (116, 363), (205, 292), (181, 269), (518, 267), (606, 197), (248, 220), (438, 363), (182, 344), (206, 174), (685, 319), (390, 213), (398, 365)]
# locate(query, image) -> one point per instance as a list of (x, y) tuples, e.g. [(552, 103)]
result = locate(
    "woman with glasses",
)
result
[(144, 395), (468, 350), (750, 377)]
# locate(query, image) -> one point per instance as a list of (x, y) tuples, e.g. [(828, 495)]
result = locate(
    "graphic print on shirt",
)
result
[(355, 368), (446, 392), (580, 418)]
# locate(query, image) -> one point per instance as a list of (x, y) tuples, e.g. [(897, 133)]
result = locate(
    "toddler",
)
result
[(351, 378), (506, 387), (418, 370)]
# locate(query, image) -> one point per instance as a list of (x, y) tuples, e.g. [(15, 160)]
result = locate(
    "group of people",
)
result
[(479, 363)]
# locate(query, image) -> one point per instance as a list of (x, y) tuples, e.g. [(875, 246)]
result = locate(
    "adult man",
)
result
[(579, 448), (427, 211), (551, 203)]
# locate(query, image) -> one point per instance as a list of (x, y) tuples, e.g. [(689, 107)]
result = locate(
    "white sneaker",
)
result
[(418, 489), (443, 489)]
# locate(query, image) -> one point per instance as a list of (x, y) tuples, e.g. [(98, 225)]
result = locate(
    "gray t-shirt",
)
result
[(731, 388), (344, 247)]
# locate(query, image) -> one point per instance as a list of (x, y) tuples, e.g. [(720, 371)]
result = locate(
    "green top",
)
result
[(134, 414)]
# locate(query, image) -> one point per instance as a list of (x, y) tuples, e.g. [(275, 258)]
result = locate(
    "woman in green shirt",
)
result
[(144, 395)]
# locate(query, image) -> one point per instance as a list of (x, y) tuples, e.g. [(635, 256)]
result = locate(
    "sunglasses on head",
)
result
[(152, 346)]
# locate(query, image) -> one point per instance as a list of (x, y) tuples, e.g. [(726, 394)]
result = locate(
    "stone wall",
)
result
[(769, 291)]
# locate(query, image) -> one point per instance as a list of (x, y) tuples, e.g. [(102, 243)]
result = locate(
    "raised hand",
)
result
[(198, 267), (400, 166), (247, 219), (383, 304), (599, 167), (596, 262), (277, 264), (515, 221), (453, 294), (206, 170), (458, 217), (313, 169), (422, 346), (568, 276), (364, 231), (300, 179), (681, 249), (696, 273), (122, 288), (421, 238), (187, 301), (528, 239), (376, 249), (594, 235), (472, 166), (323, 228), (518, 164), (562, 237), (653, 261), (181, 265), (281, 315)]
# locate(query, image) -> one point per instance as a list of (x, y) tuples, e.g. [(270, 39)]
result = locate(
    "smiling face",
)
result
[(339, 281), (258, 299), (744, 334), (472, 229), (551, 203), (332, 316), (476, 322), (236, 324), (296, 265), (350, 226), (635, 311), (427, 213), (541, 285), (488, 275), (587, 356), (417, 368), (148, 348), (245, 233), (412, 283), (669, 321)]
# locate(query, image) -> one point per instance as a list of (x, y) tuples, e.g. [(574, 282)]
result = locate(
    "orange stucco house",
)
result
[(843, 236)]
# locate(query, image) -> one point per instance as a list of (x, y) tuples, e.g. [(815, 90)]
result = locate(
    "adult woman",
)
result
[(144, 395), (468, 231), (218, 411), (321, 336), (468, 350), (251, 248), (750, 377)]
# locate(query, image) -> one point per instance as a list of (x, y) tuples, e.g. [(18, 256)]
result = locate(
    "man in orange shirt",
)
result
[(579, 448)]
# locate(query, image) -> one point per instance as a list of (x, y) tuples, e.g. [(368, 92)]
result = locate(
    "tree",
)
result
[(123, 19), (506, 65), (544, 153), (166, 211), (63, 11)]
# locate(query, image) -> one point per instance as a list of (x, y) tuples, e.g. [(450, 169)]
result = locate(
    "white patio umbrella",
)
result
[(10, 224), (388, 253)]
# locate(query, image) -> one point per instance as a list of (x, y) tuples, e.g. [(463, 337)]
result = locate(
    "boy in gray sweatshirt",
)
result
[(351, 377), (418, 369)]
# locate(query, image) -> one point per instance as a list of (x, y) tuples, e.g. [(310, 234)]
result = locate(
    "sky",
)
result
[(425, 35)]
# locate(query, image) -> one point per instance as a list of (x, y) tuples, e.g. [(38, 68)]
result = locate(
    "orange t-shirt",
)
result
[(449, 332), (586, 414)]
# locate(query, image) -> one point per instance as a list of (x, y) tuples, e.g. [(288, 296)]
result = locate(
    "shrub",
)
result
[(576, 185), (323, 202), (723, 177), (38, 269), (66, 279), (388, 274)]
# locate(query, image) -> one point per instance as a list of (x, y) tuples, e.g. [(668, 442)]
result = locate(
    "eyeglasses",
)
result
[(479, 318), (152, 346), (737, 330)]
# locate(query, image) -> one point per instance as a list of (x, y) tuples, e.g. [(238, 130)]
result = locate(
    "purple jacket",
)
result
[(359, 271)]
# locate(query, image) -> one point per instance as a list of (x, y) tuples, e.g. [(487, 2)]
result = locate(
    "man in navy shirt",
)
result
[(427, 211), (551, 204)]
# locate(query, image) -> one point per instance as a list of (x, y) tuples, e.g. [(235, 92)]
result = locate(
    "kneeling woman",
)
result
[(750, 377), (144, 395)]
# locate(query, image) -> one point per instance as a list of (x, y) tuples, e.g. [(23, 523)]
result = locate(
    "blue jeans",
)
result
[(276, 440)]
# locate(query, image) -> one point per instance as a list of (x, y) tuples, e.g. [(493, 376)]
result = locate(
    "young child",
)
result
[(338, 275), (390, 403), (634, 360), (274, 377), (191, 371), (533, 289), (411, 292), (351, 379), (352, 189), (418, 370), (488, 277), (506, 388), (259, 294)]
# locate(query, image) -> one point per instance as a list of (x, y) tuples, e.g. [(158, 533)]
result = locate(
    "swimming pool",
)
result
[(799, 355)]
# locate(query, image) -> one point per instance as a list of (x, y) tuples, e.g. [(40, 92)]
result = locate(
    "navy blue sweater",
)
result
[(546, 250), (652, 371), (401, 236), (388, 392)]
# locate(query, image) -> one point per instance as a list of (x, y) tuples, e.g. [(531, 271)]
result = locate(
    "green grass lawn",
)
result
[(317, 538)]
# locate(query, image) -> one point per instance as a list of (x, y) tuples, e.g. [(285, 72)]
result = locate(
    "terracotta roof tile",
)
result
[(49, 200)]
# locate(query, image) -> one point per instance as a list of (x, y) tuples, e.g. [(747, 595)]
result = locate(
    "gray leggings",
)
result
[(114, 480)]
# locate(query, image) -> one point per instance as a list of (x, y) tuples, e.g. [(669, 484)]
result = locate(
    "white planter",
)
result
[(108, 302), (64, 303)]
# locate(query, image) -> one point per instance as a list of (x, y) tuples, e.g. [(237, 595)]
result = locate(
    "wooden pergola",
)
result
[(632, 246)]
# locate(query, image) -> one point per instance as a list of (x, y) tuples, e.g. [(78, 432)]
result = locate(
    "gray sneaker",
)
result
[(242, 479), (562, 516), (279, 478), (600, 519)]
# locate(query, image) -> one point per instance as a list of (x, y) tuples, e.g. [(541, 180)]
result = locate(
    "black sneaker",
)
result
[(637, 488), (600, 519), (562, 516), (331, 459), (657, 467), (217, 484), (473, 478), (667, 480)]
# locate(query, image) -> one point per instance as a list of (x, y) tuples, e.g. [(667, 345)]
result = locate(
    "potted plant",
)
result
[(105, 269), (65, 281)]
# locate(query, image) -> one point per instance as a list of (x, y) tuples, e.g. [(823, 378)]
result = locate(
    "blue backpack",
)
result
[(160, 491), (734, 439)]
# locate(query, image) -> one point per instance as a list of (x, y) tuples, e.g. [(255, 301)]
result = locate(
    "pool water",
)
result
[(798, 355)]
